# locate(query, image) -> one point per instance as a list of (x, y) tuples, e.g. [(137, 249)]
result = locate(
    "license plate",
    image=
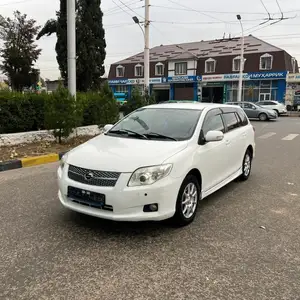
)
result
[(86, 197)]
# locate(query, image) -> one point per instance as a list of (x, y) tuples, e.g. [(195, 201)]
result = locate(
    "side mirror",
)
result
[(107, 127), (214, 136)]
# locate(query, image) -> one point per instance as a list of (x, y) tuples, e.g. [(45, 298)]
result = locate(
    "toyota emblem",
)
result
[(88, 176)]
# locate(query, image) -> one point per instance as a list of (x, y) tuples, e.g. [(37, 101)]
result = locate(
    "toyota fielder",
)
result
[(158, 162)]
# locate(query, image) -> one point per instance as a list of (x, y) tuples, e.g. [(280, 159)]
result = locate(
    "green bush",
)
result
[(62, 113), (137, 100), (21, 112), (59, 111), (99, 107)]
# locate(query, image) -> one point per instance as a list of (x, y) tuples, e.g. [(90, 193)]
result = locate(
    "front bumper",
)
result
[(127, 202)]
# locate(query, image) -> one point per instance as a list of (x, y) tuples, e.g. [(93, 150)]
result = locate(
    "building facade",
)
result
[(208, 71), (292, 99)]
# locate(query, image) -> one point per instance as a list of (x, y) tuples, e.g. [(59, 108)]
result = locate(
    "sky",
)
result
[(172, 22)]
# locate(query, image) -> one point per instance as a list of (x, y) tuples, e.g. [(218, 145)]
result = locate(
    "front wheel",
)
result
[(247, 165), (263, 117), (187, 201)]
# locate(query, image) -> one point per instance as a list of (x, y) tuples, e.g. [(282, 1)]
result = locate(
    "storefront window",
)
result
[(253, 91), (121, 89)]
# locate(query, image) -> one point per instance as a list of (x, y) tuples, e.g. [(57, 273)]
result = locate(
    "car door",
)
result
[(250, 110), (233, 139), (211, 158)]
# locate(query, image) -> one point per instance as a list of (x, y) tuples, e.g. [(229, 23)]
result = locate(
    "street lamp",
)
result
[(146, 44), (241, 61), (137, 21)]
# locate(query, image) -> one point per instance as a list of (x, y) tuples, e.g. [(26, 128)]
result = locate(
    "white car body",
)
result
[(274, 105), (217, 162)]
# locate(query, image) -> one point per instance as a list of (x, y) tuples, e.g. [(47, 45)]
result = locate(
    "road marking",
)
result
[(267, 135), (290, 137)]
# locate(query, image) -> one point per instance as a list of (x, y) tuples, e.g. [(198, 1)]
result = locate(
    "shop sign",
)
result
[(133, 81), (293, 77), (246, 76), (267, 75), (176, 79)]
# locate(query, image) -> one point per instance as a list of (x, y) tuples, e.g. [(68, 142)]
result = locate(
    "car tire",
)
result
[(187, 204), (263, 117), (246, 166)]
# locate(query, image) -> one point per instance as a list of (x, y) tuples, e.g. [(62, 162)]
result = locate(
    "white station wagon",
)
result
[(158, 162)]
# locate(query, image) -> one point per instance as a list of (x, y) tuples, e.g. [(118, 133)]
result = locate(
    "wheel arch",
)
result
[(195, 172)]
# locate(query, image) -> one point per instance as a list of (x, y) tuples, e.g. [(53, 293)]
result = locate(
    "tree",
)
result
[(90, 43), (19, 52), (62, 113)]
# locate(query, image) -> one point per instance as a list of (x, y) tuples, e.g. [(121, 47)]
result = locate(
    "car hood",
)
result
[(108, 153)]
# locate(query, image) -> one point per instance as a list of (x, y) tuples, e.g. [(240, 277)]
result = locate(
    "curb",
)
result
[(30, 161)]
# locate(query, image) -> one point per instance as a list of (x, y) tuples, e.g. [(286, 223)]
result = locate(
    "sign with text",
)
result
[(179, 79), (135, 81), (246, 76), (293, 77)]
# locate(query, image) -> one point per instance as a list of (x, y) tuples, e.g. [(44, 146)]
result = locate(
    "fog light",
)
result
[(151, 207)]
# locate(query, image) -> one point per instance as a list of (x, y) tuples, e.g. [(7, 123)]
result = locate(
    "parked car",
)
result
[(158, 162), (274, 105), (254, 111)]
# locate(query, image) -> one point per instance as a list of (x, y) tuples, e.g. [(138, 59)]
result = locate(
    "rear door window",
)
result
[(243, 118), (231, 121)]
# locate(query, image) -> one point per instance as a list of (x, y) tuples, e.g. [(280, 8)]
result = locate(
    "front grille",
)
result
[(93, 177)]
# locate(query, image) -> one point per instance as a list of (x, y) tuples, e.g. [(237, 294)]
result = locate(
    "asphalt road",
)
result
[(47, 252)]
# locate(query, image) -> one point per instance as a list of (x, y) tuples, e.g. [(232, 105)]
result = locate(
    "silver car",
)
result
[(254, 111)]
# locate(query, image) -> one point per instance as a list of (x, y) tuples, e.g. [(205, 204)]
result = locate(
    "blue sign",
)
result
[(267, 75), (175, 79), (118, 81)]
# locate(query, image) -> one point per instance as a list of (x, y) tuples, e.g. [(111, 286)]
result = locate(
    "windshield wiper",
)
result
[(154, 134), (127, 131)]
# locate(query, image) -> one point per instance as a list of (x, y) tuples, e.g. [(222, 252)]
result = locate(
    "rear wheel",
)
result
[(187, 201), (247, 165), (263, 117)]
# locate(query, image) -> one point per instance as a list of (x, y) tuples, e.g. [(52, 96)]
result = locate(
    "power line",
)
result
[(131, 9), (263, 4), (17, 2), (116, 8), (122, 9), (279, 8), (196, 22), (199, 12), (217, 12)]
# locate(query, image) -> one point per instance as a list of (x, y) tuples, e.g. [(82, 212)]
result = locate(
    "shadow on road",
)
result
[(142, 229)]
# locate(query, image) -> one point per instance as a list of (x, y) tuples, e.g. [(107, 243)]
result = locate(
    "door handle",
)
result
[(227, 142)]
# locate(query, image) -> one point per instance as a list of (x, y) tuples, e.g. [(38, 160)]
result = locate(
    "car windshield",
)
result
[(158, 124)]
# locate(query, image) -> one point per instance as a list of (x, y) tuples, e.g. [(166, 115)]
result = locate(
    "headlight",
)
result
[(63, 160), (149, 175)]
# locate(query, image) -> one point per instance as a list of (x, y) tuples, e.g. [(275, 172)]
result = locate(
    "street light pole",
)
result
[(71, 36), (146, 49), (241, 61)]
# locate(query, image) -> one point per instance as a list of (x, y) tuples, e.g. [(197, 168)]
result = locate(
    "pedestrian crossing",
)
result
[(288, 137)]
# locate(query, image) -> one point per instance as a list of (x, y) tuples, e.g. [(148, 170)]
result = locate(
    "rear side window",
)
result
[(243, 117), (231, 121)]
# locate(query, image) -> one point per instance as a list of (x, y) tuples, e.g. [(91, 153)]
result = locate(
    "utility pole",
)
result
[(71, 35), (146, 49), (241, 62)]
